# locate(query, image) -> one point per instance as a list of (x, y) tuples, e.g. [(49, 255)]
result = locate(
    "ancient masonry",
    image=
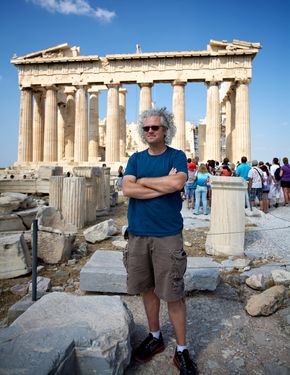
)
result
[(59, 106)]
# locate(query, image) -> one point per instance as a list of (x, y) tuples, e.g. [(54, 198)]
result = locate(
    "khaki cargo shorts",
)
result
[(157, 263)]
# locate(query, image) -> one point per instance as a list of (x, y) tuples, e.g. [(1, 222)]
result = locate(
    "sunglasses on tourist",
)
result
[(152, 127)]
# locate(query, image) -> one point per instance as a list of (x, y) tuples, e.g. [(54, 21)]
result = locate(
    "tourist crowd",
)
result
[(268, 183)]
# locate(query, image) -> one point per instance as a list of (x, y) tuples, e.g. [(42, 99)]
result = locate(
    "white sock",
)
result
[(180, 348), (156, 334)]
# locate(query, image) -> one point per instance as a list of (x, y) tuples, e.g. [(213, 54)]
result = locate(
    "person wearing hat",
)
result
[(255, 186)]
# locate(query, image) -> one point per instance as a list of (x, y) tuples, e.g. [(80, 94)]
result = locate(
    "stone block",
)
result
[(54, 247), (201, 274), (104, 272), (14, 256), (66, 334), (11, 222)]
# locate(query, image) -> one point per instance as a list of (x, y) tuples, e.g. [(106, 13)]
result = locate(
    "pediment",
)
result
[(235, 45), (60, 50)]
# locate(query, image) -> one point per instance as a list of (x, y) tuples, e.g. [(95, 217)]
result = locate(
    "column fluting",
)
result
[(25, 126), (50, 126), (213, 123), (178, 106), (112, 128), (81, 126), (38, 127)]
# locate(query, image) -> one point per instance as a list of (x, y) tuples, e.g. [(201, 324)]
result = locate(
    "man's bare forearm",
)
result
[(165, 184), (136, 190)]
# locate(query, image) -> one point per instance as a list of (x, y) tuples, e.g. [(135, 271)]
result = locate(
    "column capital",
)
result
[(123, 91), (244, 81), (82, 86), (145, 84), (50, 87), (70, 90), (179, 82), (212, 82), (26, 88), (113, 85)]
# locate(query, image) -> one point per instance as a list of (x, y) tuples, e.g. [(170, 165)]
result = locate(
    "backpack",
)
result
[(277, 174)]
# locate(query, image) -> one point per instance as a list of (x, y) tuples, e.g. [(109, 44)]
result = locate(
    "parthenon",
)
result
[(59, 104)]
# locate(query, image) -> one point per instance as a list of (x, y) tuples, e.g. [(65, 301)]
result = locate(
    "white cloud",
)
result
[(76, 7)]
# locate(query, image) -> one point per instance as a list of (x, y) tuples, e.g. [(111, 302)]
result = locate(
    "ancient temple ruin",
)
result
[(59, 107)]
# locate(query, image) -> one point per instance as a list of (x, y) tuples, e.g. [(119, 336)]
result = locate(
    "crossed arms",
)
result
[(152, 187)]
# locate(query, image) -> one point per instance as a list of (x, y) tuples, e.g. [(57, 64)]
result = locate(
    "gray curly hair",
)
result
[(167, 120)]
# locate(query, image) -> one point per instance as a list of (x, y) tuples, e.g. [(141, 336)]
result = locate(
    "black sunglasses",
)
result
[(152, 127)]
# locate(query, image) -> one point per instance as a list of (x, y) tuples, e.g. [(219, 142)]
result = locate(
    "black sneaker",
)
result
[(148, 348), (183, 362)]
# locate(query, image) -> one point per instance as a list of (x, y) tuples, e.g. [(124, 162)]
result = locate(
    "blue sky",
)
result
[(101, 27)]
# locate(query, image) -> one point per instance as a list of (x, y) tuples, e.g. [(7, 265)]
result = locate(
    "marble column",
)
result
[(38, 126), (94, 125), (25, 126), (122, 110), (56, 191), (145, 97), (213, 123), (178, 107), (234, 140), (69, 130), (226, 235), (228, 128), (73, 201), (61, 122), (112, 128), (201, 142), (81, 125), (243, 120), (89, 173), (50, 126)]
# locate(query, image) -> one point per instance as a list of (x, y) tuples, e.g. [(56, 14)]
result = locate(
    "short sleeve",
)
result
[(131, 168)]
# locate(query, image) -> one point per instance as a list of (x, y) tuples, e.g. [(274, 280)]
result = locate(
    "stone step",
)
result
[(105, 273), (67, 334)]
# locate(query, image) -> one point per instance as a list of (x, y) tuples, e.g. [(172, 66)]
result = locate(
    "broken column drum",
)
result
[(227, 225), (73, 201)]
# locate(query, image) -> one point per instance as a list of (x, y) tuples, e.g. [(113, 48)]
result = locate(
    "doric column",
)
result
[(81, 126), (201, 141), (112, 129), (94, 125), (73, 201), (227, 223), (61, 121), (38, 126), (145, 97), (122, 110), (178, 106), (243, 120), (69, 131), (56, 191), (50, 126), (89, 173), (228, 126), (25, 126), (213, 124), (234, 139)]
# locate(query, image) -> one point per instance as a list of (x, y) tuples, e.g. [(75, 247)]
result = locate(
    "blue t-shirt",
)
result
[(158, 216), (243, 171), (202, 178)]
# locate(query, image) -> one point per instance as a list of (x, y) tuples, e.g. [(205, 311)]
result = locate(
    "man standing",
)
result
[(243, 169), (256, 184), (154, 258)]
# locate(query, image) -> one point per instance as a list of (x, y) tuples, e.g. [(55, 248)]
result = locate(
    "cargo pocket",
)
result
[(178, 268)]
